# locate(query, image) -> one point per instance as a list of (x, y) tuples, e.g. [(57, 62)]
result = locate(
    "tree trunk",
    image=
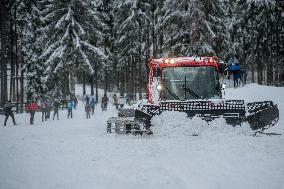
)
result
[(153, 29), (134, 71), (140, 79), (252, 73), (92, 85), (16, 60), (127, 78), (96, 81), (71, 81), (22, 86), (12, 62), (3, 58), (118, 82), (122, 83), (84, 83), (106, 81), (281, 78)]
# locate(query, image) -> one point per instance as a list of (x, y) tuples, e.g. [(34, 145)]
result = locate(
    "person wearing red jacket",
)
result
[(31, 108)]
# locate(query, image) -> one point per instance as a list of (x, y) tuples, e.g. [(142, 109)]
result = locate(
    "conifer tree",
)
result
[(31, 46), (193, 26), (72, 30)]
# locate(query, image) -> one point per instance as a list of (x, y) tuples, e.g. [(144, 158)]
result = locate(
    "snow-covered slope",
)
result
[(77, 153)]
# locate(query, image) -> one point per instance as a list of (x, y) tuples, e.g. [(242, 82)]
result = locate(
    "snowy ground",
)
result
[(77, 153)]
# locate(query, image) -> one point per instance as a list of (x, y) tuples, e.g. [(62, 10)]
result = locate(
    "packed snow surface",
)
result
[(183, 153)]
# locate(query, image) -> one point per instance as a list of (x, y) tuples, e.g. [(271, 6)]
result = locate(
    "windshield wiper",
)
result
[(169, 91), (190, 91), (172, 93)]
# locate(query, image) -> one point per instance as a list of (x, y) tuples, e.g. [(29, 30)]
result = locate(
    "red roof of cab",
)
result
[(184, 61)]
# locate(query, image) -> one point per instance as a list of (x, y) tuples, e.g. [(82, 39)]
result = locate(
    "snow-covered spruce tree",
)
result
[(30, 45), (232, 46), (72, 30), (130, 20), (193, 26), (158, 32), (132, 26), (254, 37)]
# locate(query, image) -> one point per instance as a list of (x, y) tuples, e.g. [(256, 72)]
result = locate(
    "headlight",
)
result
[(159, 87)]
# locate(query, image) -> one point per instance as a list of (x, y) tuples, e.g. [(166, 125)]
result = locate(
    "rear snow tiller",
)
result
[(191, 85)]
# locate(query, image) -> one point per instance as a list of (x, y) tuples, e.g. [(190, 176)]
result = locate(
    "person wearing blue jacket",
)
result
[(236, 70), (70, 106), (93, 105)]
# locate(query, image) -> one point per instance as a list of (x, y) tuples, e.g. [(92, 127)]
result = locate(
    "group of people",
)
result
[(118, 102), (43, 105), (90, 106), (239, 75)]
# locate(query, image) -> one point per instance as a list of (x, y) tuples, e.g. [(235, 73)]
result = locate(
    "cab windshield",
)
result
[(190, 83)]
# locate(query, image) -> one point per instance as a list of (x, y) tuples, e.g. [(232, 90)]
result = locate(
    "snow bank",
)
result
[(177, 124)]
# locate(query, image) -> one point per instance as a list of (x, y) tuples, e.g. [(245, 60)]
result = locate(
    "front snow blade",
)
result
[(232, 110), (262, 115)]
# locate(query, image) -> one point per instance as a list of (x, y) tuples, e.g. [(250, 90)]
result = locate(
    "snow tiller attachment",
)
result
[(260, 115), (193, 85)]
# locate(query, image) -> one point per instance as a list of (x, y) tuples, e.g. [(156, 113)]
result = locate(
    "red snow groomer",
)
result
[(192, 85)]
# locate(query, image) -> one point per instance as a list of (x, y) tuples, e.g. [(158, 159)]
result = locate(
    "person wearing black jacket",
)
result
[(8, 112), (56, 106), (104, 102)]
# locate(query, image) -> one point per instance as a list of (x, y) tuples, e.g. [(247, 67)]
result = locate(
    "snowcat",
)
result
[(192, 85)]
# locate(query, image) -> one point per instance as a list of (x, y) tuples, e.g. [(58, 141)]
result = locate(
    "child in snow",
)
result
[(88, 110), (70, 106), (93, 104)]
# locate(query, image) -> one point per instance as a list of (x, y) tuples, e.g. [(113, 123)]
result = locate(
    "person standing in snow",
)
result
[(31, 108), (70, 106), (8, 112), (75, 100), (114, 99), (87, 99), (43, 108), (235, 69), (48, 109), (121, 101), (88, 110), (56, 105), (93, 105), (104, 102)]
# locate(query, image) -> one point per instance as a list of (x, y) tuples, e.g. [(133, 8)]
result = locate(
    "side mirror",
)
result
[(223, 86)]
